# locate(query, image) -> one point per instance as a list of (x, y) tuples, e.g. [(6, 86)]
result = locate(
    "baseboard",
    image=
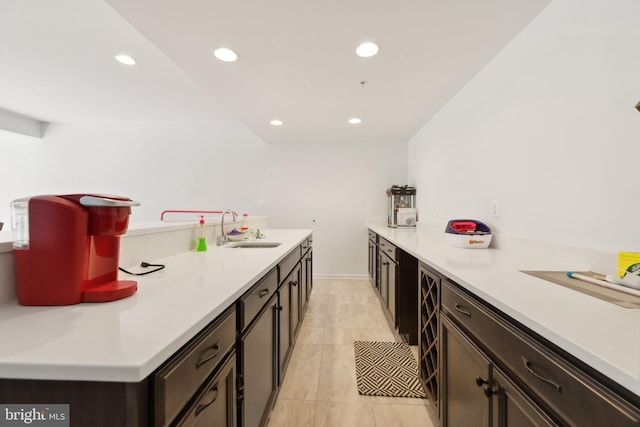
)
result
[(342, 276)]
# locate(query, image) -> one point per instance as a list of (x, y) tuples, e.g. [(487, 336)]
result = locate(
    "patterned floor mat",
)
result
[(386, 369)]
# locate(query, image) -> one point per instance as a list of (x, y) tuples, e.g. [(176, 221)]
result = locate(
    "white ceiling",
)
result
[(296, 61)]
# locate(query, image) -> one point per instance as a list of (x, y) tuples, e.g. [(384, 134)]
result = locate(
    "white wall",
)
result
[(549, 129), (333, 189), (163, 165)]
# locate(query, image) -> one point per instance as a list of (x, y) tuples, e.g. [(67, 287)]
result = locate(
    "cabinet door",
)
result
[(295, 289), (372, 262), (391, 289), (383, 262), (288, 318), (304, 291), (309, 275), (284, 328), (465, 379), (216, 404), (259, 366), (512, 407)]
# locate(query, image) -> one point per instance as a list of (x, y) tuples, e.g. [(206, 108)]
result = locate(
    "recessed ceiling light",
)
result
[(355, 120), (367, 49), (125, 59), (225, 54), (276, 122)]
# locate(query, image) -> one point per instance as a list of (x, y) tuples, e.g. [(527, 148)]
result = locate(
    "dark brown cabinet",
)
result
[(388, 273), (288, 317), (176, 383), (373, 259), (393, 273), (258, 350), (388, 285), (477, 393), (216, 404), (465, 373), (227, 375), (258, 359), (306, 273), (512, 407), (527, 380), (266, 344), (480, 367), (407, 297)]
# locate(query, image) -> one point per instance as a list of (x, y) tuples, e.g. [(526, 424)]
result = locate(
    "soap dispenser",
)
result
[(202, 241)]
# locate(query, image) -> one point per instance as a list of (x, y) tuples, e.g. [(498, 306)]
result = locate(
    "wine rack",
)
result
[(429, 295)]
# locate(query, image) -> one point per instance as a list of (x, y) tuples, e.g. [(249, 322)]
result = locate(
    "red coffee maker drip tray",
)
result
[(110, 291)]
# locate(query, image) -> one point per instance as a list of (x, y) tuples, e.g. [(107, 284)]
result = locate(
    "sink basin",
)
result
[(253, 244)]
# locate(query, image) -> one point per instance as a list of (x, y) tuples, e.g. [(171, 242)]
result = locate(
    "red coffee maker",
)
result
[(66, 248)]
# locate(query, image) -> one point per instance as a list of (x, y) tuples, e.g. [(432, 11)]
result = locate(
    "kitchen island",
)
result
[(124, 342)]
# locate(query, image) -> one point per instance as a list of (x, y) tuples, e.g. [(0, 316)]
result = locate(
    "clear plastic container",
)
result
[(244, 225), (20, 223)]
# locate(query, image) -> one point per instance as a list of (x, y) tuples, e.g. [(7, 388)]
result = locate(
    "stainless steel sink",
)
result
[(253, 244)]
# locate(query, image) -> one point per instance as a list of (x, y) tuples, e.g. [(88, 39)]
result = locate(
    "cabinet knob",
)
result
[(488, 391), (480, 382)]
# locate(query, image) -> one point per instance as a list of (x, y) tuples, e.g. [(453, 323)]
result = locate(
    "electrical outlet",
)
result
[(495, 208)]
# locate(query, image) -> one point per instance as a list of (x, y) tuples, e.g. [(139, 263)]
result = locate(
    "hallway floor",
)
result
[(319, 388)]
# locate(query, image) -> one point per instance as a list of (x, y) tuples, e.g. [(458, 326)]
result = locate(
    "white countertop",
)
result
[(603, 335), (126, 340)]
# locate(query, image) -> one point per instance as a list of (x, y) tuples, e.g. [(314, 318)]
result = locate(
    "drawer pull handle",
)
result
[(214, 395), (462, 310), (527, 365), (263, 293), (204, 359)]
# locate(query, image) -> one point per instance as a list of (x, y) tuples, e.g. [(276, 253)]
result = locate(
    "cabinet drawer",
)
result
[(216, 403), (177, 382), (287, 264), (388, 248), (372, 236), (253, 301), (576, 397)]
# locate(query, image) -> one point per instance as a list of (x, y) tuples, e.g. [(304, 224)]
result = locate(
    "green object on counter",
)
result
[(202, 245)]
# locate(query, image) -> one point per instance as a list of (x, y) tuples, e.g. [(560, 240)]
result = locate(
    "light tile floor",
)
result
[(319, 388)]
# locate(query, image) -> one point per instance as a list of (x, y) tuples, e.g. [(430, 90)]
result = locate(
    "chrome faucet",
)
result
[(222, 238)]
